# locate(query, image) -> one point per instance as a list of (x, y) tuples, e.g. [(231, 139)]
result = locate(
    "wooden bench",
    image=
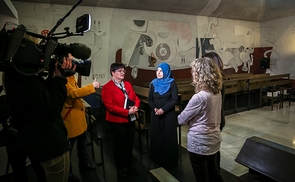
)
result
[(243, 81), (185, 81), (268, 158), (251, 84), (258, 83), (186, 91), (237, 75), (146, 84), (92, 131), (244, 76), (274, 80), (142, 93), (231, 87), (142, 128), (182, 81)]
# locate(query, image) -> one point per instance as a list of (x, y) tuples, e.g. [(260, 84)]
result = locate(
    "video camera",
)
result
[(29, 58)]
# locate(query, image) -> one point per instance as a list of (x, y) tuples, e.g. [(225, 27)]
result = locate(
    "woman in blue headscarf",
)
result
[(163, 95)]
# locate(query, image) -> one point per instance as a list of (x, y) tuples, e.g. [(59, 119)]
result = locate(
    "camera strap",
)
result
[(48, 52), (15, 41)]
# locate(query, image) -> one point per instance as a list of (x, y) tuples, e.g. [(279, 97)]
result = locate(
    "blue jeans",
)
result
[(57, 169), (81, 149)]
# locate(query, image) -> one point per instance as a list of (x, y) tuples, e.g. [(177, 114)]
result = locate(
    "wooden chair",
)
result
[(292, 94), (279, 90), (178, 110), (270, 94), (142, 128), (286, 95)]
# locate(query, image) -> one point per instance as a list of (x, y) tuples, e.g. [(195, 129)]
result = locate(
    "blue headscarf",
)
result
[(162, 85)]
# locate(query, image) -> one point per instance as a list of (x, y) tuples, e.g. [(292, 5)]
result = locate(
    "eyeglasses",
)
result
[(121, 71)]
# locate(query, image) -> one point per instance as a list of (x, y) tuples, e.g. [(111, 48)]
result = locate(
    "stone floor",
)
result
[(276, 125)]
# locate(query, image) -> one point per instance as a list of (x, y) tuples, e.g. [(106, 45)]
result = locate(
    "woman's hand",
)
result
[(159, 111), (133, 109), (95, 83)]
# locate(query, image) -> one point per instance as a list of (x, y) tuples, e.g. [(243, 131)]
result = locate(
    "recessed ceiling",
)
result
[(248, 10)]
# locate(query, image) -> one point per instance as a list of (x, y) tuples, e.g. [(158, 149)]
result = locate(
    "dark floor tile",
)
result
[(107, 172)]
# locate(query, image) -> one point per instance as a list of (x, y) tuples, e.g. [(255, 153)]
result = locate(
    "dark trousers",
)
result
[(81, 149), (218, 159), (123, 137), (17, 159), (205, 167)]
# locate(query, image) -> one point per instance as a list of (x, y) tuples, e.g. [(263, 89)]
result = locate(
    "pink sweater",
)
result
[(202, 114)]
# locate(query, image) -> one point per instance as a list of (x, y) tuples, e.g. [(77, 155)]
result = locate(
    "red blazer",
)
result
[(113, 98)]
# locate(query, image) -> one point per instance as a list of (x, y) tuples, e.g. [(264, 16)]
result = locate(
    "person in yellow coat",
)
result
[(73, 114)]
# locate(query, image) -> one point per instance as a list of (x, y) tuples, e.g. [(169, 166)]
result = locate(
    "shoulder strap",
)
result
[(67, 114)]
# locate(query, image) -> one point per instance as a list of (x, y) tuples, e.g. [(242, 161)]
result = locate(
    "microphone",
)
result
[(78, 50)]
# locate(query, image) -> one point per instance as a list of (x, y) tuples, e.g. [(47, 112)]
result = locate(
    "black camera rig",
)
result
[(29, 58)]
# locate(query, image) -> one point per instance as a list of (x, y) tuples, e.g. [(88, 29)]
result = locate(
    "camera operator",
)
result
[(36, 104), (15, 152)]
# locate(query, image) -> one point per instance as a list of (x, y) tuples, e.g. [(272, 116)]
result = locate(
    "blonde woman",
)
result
[(202, 114)]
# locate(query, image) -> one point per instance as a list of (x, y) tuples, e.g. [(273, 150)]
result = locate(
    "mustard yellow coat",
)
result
[(76, 121)]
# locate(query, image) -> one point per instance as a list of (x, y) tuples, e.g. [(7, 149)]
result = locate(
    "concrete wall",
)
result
[(280, 34)]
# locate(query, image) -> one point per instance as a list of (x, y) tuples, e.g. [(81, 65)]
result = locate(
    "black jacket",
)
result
[(36, 106)]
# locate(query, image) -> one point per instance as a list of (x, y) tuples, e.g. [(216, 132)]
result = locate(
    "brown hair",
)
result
[(216, 58)]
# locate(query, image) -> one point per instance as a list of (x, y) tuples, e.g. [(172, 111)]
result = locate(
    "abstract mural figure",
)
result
[(226, 56), (182, 55), (134, 71), (152, 60), (139, 49), (138, 52), (51, 15), (96, 46), (245, 56), (158, 41), (163, 51)]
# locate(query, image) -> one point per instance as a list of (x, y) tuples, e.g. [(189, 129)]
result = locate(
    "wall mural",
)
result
[(152, 42), (146, 43), (232, 57)]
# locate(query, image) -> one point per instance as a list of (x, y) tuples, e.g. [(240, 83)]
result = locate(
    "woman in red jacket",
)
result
[(121, 105)]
